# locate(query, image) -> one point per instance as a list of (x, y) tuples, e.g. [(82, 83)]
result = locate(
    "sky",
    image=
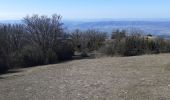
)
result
[(86, 9)]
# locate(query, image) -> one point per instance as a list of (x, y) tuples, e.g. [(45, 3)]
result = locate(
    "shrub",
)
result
[(66, 50), (12, 41), (3, 64), (90, 40), (32, 56), (134, 44), (108, 48), (117, 34)]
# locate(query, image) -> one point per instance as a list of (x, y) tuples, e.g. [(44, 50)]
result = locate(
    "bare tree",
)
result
[(45, 32)]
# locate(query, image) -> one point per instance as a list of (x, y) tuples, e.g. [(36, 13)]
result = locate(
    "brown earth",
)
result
[(119, 78)]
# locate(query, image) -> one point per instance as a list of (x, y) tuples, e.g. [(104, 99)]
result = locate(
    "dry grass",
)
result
[(167, 67), (119, 78)]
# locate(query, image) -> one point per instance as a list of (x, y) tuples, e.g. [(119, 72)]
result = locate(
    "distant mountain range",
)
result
[(155, 27)]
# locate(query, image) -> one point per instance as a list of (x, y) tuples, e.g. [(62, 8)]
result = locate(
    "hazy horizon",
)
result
[(101, 19)]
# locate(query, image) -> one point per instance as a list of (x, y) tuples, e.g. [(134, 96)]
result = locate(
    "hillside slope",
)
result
[(119, 78)]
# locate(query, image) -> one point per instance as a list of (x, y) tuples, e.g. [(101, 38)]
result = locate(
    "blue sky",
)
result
[(86, 9)]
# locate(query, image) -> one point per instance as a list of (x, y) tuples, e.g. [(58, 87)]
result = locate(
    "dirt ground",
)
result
[(119, 78)]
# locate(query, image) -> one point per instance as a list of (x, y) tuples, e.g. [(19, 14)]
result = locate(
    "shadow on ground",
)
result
[(76, 57), (10, 72), (1, 78)]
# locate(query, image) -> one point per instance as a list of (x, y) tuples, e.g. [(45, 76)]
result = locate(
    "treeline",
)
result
[(42, 40), (39, 40), (134, 43)]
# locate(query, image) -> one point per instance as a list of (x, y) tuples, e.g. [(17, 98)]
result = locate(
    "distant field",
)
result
[(119, 78)]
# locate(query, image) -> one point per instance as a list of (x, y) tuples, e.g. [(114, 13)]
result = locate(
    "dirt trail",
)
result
[(119, 78)]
